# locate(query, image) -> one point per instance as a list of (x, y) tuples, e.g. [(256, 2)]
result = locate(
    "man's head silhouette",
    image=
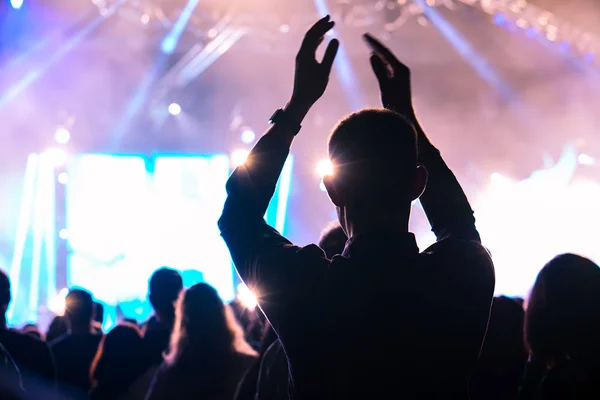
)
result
[(164, 287), (376, 172), (79, 310), (333, 239)]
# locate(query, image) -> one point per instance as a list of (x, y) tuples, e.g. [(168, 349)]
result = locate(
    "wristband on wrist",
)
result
[(282, 118)]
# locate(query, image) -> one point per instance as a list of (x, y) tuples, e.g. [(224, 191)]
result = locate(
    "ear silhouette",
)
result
[(420, 182), (333, 190)]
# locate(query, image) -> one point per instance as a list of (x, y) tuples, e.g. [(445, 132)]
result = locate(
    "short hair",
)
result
[(164, 287), (79, 306), (333, 240), (374, 153), (5, 295)]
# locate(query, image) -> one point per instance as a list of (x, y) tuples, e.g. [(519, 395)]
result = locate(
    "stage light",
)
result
[(499, 19), (322, 186), (56, 157), (564, 46), (239, 157), (246, 297), (62, 135), (585, 159), (63, 234), (16, 4), (285, 28), (497, 177), (174, 109), (63, 178), (499, 180), (248, 136), (168, 45), (57, 304), (324, 168)]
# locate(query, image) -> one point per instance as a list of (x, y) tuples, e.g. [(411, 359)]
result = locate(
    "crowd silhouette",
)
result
[(363, 314)]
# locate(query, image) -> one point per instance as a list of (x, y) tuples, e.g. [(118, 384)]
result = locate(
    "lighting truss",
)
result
[(536, 21), (222, 36), (218, 37)]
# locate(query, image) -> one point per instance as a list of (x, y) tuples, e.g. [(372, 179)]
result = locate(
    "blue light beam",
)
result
[(169, 43), (13, 91)]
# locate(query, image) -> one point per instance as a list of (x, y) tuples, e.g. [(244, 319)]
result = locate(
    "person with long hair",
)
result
[(562, 326), (121, 360), (208, 354)]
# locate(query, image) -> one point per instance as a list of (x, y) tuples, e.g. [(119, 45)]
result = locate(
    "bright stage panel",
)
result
[(128, 215)]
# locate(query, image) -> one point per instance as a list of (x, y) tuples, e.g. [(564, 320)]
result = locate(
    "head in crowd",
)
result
[(131, 321), (333, 240), (79, 310), (58, 327), (98, 314), (505, 328), (120, 360), (563, 312), (375, 170), (32, 330), (164, 287), (503, 356), (5, 296), (206, 332)]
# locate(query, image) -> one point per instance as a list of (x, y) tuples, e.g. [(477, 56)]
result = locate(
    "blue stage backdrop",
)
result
[(124, 217)]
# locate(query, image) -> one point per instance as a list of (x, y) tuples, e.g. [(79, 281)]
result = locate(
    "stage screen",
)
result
[(128, 215)]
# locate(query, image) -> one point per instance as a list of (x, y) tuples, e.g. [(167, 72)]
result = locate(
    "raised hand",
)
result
[(393, 77), (312, 76)]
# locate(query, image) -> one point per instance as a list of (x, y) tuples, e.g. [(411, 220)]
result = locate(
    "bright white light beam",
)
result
[(23, 226), (50, 232), (39, 217)]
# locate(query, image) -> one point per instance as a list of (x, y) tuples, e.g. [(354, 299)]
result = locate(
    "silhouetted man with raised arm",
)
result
[(382, 320)]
